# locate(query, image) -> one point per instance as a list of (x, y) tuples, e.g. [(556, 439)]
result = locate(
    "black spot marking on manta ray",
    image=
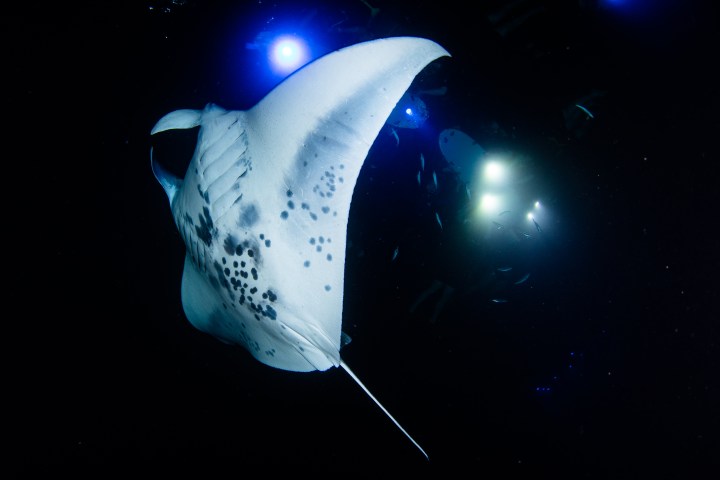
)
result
[(249, 216), (230, 245), (205, 229), (239, 250), (267, 240), (284, 215), (221, 273)]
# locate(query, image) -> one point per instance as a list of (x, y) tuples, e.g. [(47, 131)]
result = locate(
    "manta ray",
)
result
[(263, 207)]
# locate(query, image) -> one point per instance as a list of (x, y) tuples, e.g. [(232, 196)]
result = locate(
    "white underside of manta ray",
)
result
[(263, 208)]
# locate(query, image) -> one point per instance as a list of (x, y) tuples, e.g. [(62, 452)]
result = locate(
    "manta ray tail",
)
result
[(357, 380)]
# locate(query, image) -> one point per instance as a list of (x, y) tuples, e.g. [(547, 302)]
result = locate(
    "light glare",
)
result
[(288, 54), (494, 171), (489, 203)]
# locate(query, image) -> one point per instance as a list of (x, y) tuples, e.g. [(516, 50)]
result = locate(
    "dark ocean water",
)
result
[(602, 363)]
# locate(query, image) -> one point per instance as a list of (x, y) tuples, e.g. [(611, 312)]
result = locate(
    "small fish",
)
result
[(498, 225), (522, 279), (422, 162), (437, 217), (504, 269), (435, 180), (589, 114), (395, 254), (498, 300), (536, 225), (526, 235), (503, 212), (418, 178), (394, 133)]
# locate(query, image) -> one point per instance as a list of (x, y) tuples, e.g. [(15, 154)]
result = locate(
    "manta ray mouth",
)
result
[(173, 149)]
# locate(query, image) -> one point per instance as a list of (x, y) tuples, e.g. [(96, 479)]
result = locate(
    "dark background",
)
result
[(604, 365)]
